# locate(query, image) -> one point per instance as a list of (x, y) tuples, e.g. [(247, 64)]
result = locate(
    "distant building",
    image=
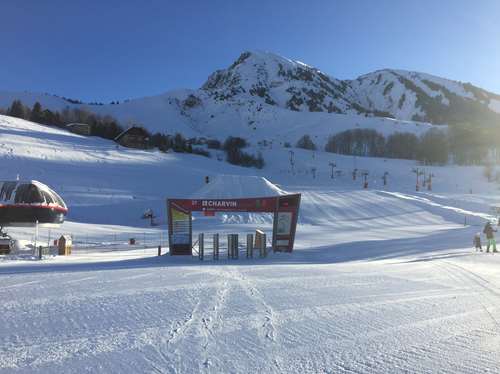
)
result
[(79, 128), (134, 137)]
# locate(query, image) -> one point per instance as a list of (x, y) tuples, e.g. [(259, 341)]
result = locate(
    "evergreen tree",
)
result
[(36, 113), (179, 143), (17, 110), (50, 118), (306, 143)]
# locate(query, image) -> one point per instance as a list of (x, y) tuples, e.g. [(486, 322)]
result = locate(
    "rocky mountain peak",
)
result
[(270, 79), (275, 80)]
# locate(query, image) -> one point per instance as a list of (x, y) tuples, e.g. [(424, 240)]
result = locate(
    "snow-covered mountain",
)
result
[(423, 97), (274, 80), (265, 96), (270, 79)]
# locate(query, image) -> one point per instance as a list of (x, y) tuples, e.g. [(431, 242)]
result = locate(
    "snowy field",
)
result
[(382, 280)]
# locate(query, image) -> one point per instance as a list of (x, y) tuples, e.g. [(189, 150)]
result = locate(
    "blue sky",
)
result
[(107, 50)]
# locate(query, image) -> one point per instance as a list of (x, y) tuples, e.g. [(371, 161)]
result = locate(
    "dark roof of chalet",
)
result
[(134, 130)]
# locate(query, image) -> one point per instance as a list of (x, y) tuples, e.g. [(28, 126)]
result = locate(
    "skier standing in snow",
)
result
[(490, 237)]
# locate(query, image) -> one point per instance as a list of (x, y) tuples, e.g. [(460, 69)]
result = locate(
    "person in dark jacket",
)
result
[(490, 237)]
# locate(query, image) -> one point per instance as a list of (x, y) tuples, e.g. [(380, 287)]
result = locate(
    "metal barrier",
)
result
[(236, 247), (201, 246), (216, 246), (249, 245), (109, 243), (260, 243), (114, 242), (232, 246)]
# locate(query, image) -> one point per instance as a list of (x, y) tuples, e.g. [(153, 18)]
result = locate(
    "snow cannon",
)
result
[(28, 203)]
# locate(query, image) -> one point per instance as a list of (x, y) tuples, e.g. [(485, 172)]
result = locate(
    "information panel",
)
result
[(181, 227), (179, 230)]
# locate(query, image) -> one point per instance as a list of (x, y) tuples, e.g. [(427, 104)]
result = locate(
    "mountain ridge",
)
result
[(262, 94)]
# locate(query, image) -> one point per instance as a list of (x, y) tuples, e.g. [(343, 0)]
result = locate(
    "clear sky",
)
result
[(107, 50)]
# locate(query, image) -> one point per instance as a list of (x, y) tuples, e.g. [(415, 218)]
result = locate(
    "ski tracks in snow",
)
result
[(268, 330), (158, 328), (259, 317), (211, 322), (469, 278), (195, 337), (205, 333)]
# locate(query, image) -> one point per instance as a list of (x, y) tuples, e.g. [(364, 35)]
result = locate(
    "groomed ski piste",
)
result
[(382, 280)]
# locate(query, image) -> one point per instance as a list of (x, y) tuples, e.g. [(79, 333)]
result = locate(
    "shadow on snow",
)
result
[(444, 244)]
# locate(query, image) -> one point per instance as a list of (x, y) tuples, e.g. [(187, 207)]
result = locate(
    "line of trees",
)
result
[(233, 146), (103, 126), (463, 144), (430, 148), (357, 142), (177, 143), (470, 144), (234, 154)]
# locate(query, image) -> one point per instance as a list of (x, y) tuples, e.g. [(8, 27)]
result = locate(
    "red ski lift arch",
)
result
[(180, 229)]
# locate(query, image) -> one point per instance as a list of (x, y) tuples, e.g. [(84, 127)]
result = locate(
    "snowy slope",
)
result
[(159, 113), (89, 171), (108, 184), (237, 186), (423, 313), (381, 280)]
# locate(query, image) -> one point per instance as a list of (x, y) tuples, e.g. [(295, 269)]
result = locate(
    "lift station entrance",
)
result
[(284, 207)]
